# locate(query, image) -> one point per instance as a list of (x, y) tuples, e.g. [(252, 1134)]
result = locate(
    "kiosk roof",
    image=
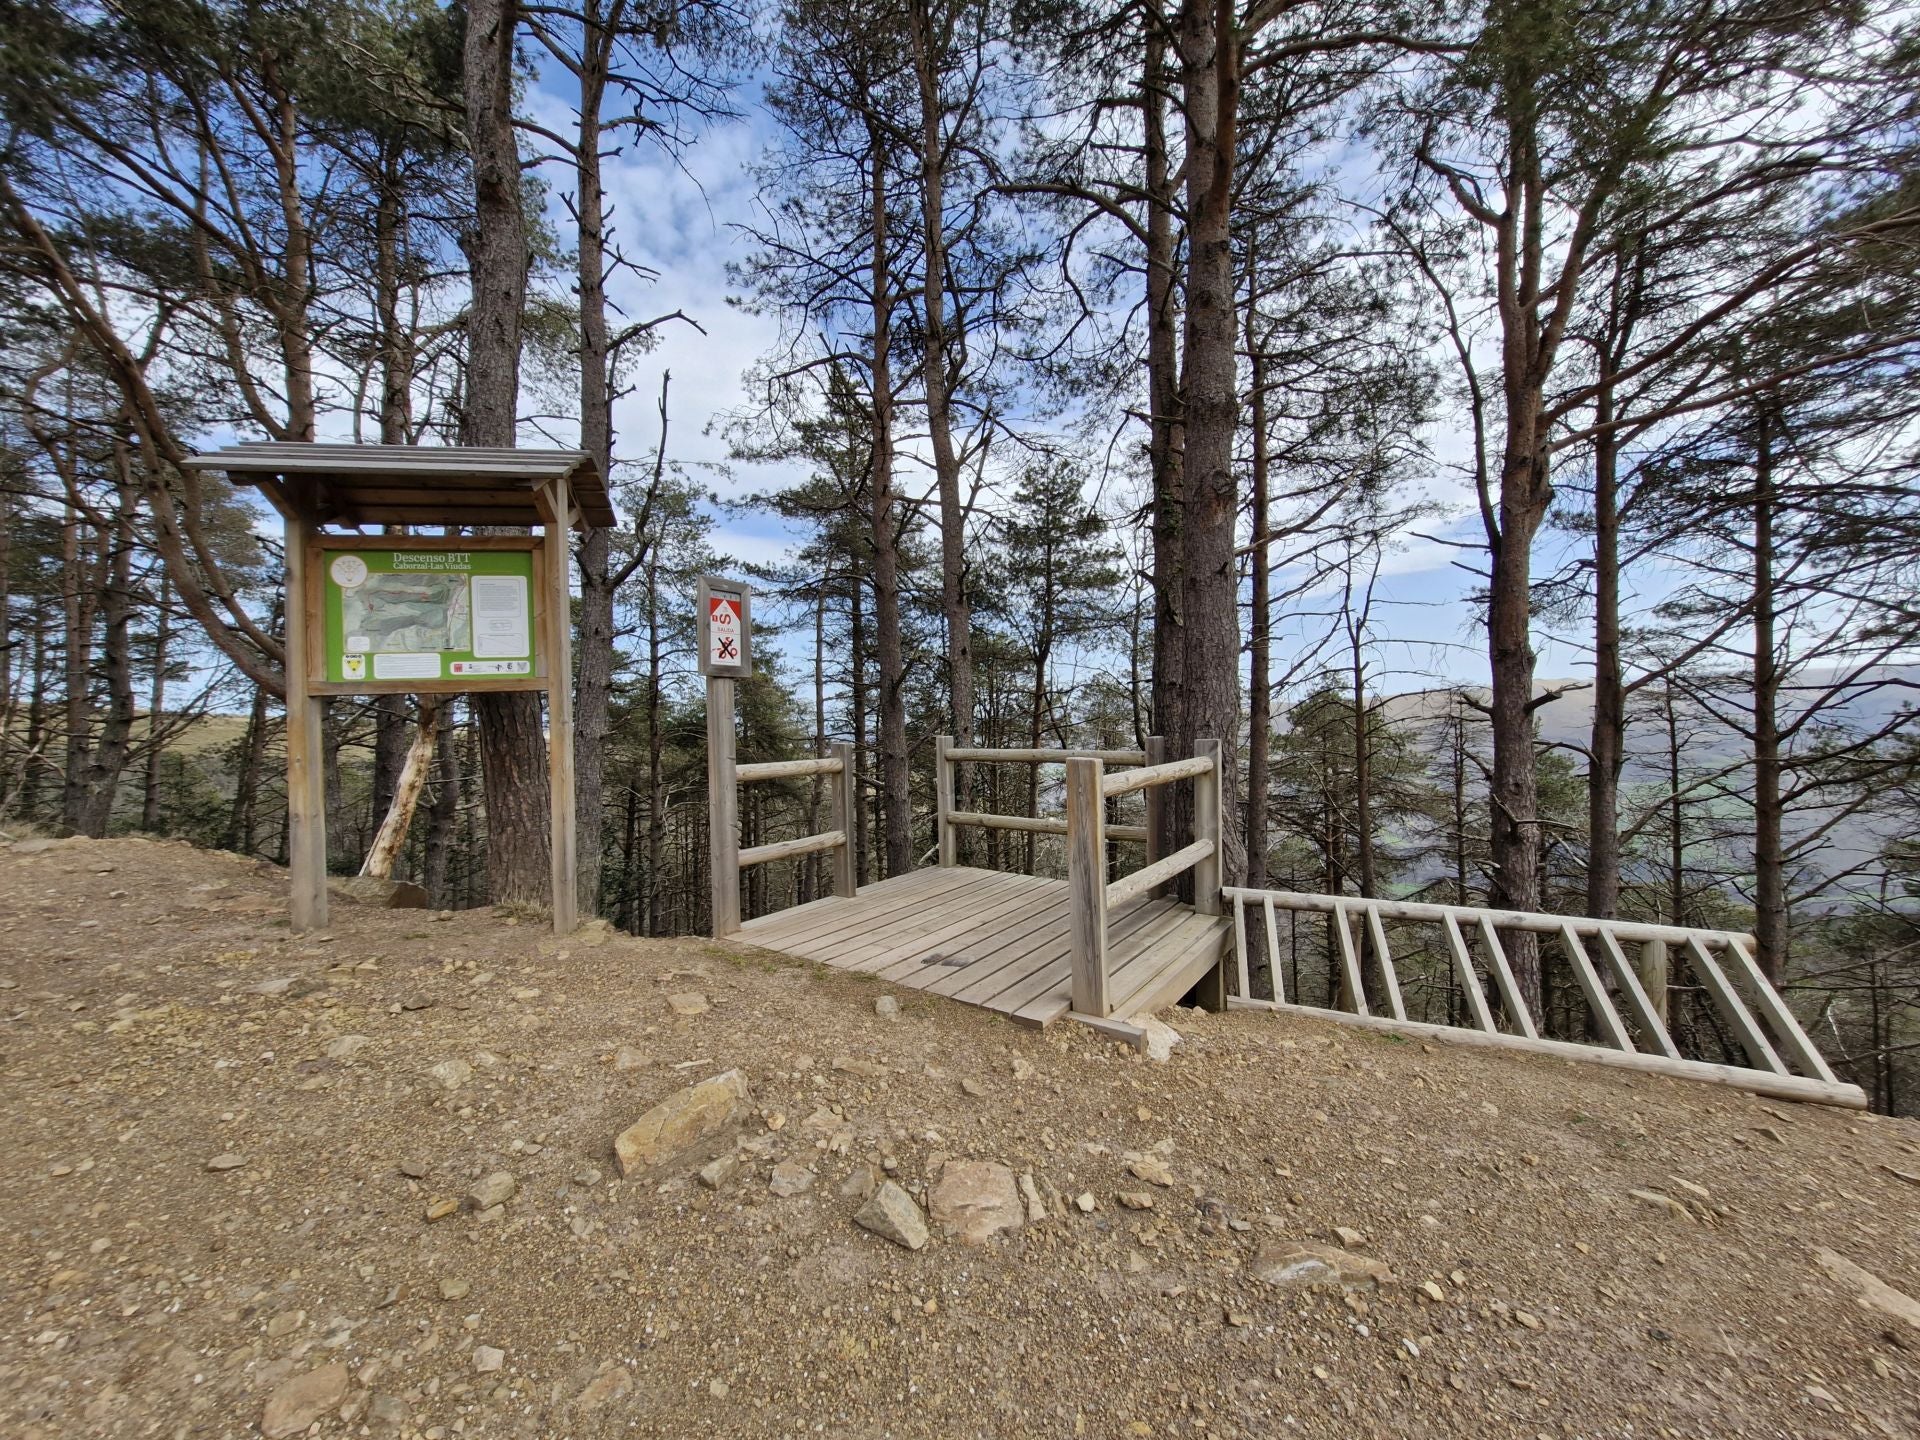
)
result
[(414, 484)]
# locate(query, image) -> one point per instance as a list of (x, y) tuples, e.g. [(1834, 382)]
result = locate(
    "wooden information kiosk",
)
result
[(400, 613)]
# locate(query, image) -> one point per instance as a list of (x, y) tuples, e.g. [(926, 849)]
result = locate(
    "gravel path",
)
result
[(225, 1143)]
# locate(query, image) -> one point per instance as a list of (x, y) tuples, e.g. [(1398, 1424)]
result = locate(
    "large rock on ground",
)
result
[(892, 1215), (977, 1199), (683, 1121), (1300, 1265), (300, 1401), (378, 891)]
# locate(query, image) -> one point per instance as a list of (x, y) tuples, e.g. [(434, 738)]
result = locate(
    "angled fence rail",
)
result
[(1625, 995)]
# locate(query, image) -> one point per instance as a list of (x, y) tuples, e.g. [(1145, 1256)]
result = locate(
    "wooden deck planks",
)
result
[(988, 938)]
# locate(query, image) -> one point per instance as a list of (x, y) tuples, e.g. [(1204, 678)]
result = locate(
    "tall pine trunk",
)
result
[(513, 770), (895, 791), (1770, 931), (1209, 621), (929, 49)]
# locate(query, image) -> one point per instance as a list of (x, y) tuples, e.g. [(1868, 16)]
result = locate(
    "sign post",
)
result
[(724, 620)]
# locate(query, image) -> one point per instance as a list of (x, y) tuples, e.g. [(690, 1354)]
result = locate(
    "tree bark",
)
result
[(593, 656), (1260, 676), (1770, 931), (513, 766), (956, 607), (1164, 432), (894, 778), (1209, 629), (1606, 746)]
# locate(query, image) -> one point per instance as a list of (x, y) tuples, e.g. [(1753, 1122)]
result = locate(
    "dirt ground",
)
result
[(216, 1204)]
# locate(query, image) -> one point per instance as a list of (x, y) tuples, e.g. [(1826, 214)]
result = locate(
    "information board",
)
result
[(428, 615)]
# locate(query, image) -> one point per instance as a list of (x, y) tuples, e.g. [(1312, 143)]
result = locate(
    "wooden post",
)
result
[(557, 641), (844, 883), (1206, 826), (723, 807), (306, 773), (943, 829), (1087, 887), (1156, 808), (1655, 975)]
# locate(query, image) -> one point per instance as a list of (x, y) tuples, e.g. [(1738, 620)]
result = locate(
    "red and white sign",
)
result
[(723, 630)]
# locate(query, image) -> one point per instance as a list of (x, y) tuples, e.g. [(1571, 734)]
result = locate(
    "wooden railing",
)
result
[(729, 859), (1092, 896), (948, 821), (1755, 1017)]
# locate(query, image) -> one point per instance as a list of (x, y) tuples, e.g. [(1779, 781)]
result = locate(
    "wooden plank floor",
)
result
[(996, 940)]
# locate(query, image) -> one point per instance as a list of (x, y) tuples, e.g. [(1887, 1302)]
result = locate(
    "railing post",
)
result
[(723, 808), (943, 830), (1206, 826), (1655, 975), (1087, 886), (1156, 748), (844, 883)]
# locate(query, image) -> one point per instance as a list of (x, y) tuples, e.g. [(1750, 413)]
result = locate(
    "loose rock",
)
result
[(718, 1172), (300, 1401), (226, 1162), (976, 1200), (887, 1008), (451, 1074), (1301, 1265), (790, 1178), (487, 1359), (494, 1189), (684, 1119), (688, 1002), (892, 1215)]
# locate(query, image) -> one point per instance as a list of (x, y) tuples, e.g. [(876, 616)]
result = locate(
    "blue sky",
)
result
[(680, 219)]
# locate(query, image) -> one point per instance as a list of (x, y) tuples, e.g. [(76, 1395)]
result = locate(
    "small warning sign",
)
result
[(724, 623)]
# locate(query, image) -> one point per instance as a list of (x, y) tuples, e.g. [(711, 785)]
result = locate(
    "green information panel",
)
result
[(398, 615)]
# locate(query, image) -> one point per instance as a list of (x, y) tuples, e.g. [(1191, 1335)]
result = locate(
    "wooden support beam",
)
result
[(1142, 881), (845, 881), (1652, 1023), (1383, 957), (1598, 1002), (1732, 1009), (723, 807), (1245, 988), (1756, 1082), (1469, 981), (1273, 951), (1510, 998), (946, 839), (1786, 1029), (557, 645), (1087, 888), (306, 771), (1209, 874), (1156, 802), (1353, 989), (788, 849)]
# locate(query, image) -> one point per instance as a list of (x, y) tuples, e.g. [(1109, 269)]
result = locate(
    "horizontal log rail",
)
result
[(1158, 873), (1151, 775), (980, 755), (1607, 979), (787, 769), (1036, 825), (788, 849)]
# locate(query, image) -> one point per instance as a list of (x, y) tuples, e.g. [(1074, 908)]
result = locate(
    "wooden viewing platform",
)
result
[(998, 940), (1098, 948)]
